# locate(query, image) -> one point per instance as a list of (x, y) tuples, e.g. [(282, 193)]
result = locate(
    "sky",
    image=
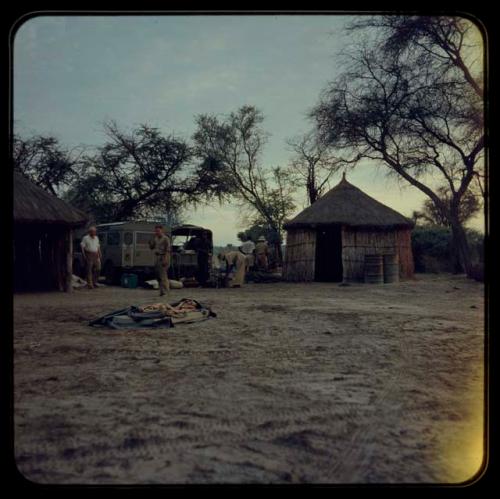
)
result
[(72, 73)]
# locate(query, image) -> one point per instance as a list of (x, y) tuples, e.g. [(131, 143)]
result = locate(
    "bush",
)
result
[(476, 245), (433, 251), (431, 248)]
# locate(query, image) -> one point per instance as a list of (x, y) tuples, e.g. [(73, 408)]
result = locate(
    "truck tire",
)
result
[(109, 272)]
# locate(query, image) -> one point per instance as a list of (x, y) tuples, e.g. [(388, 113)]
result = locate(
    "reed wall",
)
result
[(356, 243), (300, 255)]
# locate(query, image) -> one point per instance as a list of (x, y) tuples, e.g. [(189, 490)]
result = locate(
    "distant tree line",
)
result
[(409, 99), (145, 173)]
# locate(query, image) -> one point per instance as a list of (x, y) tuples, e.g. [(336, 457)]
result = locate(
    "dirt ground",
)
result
[(290, 383)]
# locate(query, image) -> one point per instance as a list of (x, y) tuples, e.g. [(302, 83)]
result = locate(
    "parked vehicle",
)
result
[(125, 248)]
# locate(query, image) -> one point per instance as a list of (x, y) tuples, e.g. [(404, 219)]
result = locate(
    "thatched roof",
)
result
[(33, 204), (345, 204)]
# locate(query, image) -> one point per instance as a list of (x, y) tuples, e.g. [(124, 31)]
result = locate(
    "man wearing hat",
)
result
[(261, 253), (248, 248)]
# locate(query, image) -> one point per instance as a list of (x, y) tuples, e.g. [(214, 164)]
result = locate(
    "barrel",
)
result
[(391, 268), (374, 269)]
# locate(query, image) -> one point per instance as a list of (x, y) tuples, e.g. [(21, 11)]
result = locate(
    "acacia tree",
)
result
[(409, 101), (313, 163), (137, 173), (430, 214), (46, 162), (232, 146)]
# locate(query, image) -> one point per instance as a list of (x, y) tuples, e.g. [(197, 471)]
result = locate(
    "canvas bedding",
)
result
[(156, 315)]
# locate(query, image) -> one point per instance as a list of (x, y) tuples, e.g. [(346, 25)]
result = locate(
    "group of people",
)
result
[(159, 244), (249, 256), (256, 255)]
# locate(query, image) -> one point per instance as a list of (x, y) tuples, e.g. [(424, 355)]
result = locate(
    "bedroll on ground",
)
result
[(155, 315)]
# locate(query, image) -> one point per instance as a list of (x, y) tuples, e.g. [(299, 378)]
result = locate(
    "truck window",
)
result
[(128, 238), (143, 238), (113, 238)]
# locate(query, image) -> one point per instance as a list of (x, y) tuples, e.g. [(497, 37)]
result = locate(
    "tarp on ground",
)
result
[(155, 315)]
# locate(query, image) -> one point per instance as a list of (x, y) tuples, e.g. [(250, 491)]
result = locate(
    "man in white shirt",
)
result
[(247, 248), (91, 249)]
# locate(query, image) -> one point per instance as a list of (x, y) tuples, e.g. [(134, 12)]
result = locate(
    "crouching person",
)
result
[(235, 264), (160, 244), (91, 250)]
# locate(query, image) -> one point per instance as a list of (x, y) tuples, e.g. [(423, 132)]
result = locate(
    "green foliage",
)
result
[(230, 149), (255, 231), (139, 174), (45, 161), (433, 250), (476, 244), (410, 98), (432, 214)]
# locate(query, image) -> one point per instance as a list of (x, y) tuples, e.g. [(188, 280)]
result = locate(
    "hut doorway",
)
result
[(328, 267)]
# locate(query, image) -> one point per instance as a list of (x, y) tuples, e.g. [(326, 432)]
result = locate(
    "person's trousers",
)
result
[(161, 266), (93, 268), (262, 261)]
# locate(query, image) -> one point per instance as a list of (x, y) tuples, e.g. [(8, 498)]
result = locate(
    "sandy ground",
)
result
[(290, 383)]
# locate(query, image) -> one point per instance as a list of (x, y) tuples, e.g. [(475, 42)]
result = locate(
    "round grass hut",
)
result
[(328, 241), (43, 238)]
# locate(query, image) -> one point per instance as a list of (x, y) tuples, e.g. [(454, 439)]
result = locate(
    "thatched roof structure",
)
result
[(347, 205), (34, 205)]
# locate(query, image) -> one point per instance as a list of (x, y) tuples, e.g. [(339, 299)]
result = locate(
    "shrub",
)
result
[(433, 251), (431, 248)]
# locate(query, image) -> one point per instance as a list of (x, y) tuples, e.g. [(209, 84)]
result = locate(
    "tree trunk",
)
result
[(312, 192), (279, 254), (460, 244)]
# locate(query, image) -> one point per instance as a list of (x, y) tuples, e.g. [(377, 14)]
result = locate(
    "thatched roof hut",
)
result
[(32, 204), (43, 239), (328, 241)]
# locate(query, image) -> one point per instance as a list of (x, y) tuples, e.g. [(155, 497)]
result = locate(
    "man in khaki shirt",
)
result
[(160, 244), (262, 253)]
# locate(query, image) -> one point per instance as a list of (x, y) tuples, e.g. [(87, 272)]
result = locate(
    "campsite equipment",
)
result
[(153, 284), (263, 277), (391, 268), (162, 315), (129, 281), (374, 269), (175, 284), (78, 282), (190, 282)]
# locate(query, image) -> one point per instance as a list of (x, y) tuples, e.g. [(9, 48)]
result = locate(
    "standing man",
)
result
[(248, 248), (91, 250), (160, 244), (262, 252)]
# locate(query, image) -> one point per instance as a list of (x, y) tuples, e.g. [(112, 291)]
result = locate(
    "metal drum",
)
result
[(374, 269), (391, 268)]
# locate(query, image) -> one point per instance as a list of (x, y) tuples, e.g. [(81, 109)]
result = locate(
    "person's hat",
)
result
[(261, 238)]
